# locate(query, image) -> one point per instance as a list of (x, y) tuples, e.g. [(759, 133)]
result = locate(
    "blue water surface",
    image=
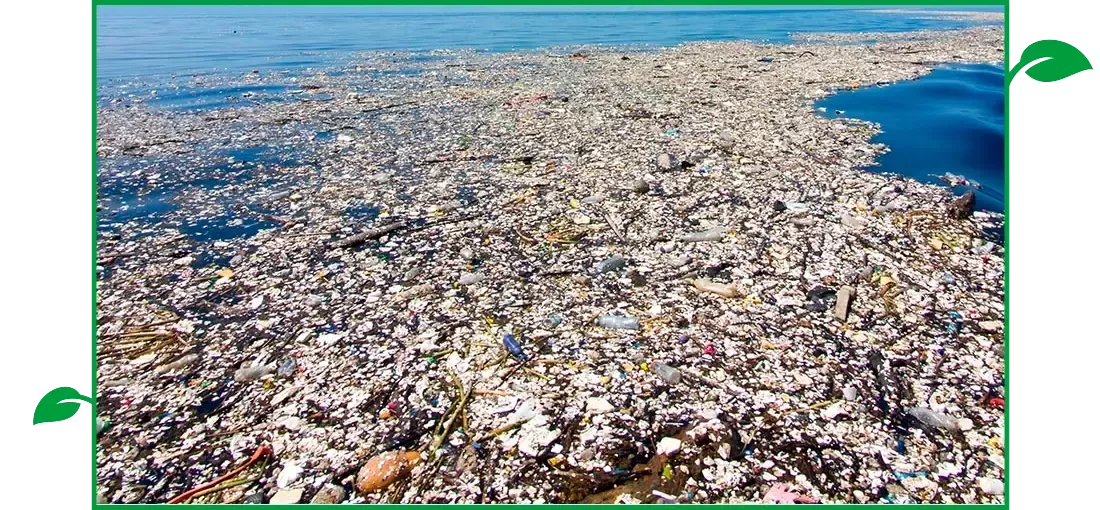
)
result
[(146, 41), (950, 121)]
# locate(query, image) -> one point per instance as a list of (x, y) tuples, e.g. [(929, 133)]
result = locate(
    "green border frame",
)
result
[(807, 3)]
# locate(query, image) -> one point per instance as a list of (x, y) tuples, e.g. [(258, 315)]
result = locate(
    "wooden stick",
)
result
[(228, 485), (536, 374), (312, 234), (380, 108), (812, 407), (503, 430), (613, 227), (374, 233), (451, 421)]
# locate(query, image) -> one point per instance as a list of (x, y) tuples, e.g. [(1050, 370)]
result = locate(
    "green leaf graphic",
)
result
[(53, 408), (1057, 60)]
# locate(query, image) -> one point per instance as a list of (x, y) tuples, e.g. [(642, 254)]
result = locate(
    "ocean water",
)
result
[(150, 41), (950, 121)]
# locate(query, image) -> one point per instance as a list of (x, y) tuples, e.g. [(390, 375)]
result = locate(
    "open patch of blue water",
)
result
[(143, 41), (948, 122), (362, 212), (216, 97), (149, 190)]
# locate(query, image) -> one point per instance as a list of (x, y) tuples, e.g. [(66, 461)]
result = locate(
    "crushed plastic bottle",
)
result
[(617, 322), (514, 348), (933, 418), (287, 367), (551, 322), (666, 373), (984, 249)]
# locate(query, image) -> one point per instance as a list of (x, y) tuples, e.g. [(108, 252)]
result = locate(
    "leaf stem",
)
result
[(85, 399), (1020, 66)]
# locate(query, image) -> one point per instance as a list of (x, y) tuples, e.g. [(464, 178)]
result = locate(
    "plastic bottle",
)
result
[(470, 278), (279, 196), (514, 348), (249, 374), (179, 364), (617, 322), (594, 199), (991, 486), (854, 222), (796, 207), (666, 373), (724, 290), (713, 234), (933, 419), (614, 263)]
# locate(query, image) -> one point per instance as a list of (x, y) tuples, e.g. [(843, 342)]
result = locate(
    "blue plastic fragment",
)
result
[(914, 474)]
